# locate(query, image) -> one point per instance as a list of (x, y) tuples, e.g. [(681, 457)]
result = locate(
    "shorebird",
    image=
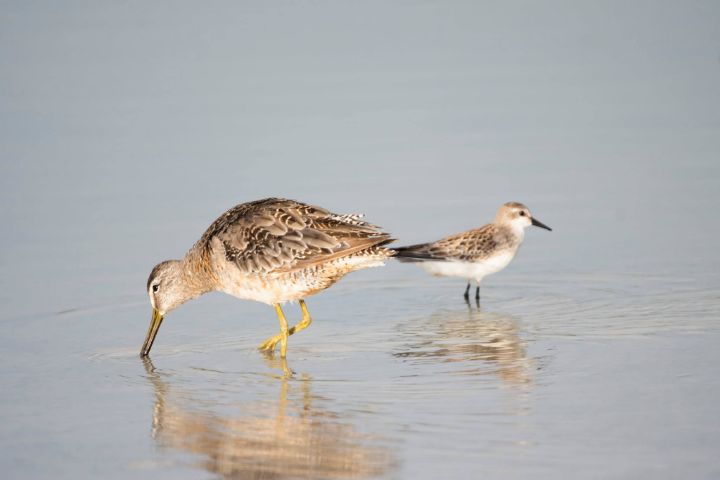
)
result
[(476, 253), (272, 251)]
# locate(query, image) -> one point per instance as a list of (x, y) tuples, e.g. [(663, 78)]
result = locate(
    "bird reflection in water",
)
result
[(287, 437), (479, 343)]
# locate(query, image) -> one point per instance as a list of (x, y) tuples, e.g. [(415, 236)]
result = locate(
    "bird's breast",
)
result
[(470, 270)]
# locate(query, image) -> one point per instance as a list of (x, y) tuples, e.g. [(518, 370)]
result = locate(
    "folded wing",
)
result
[(278, 235)]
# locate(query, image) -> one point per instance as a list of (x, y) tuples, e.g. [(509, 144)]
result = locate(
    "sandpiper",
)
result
[(476, 253), (272, 251)]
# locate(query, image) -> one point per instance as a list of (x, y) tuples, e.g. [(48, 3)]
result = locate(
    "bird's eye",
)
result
[(155, 287), (522, 214)]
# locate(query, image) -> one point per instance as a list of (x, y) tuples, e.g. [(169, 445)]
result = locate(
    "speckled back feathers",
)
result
[(276, 235), (470, 246)]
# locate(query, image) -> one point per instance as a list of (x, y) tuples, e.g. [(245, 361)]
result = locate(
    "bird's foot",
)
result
[(270, 344)]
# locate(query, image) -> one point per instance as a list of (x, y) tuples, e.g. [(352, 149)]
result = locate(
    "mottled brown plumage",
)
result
[(275, 235), (470, 246), (273, 251)]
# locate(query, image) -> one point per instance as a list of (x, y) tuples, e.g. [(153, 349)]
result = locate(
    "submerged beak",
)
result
[(157, 319), (538, 223)]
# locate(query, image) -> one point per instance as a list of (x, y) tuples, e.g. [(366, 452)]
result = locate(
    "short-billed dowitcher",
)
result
[(272, 251), (476, 253)]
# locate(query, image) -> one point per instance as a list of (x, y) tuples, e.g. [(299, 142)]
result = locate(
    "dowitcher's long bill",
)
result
[(272, 251), (476, 253)]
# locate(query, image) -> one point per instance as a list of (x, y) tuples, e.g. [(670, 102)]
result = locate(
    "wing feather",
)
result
[(472, 245), (277, 235)]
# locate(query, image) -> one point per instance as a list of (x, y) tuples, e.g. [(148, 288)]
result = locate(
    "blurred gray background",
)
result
[(126, 127)]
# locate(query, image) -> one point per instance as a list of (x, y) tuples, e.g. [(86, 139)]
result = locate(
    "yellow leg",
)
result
[(270, 343), (283, 330), (306, 319)]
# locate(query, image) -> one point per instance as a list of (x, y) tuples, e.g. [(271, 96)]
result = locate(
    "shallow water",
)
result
[(390, 381), (126, 131)]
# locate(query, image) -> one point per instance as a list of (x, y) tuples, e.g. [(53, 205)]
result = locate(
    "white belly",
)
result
[(288, 287), (470, 270)]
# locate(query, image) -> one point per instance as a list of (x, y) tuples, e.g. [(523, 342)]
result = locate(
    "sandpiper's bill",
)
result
[(272, 251), (476, 253)]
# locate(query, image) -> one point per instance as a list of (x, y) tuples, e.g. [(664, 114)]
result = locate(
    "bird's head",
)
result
[(166, 291), (518, 216)]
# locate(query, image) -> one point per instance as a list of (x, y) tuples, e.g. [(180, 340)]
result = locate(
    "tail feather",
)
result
[(414, 253)]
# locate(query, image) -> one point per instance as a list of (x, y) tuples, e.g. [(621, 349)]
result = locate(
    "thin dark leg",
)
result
[(477, 293), (467, 293)]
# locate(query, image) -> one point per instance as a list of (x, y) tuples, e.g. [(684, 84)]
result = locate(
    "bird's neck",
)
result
[(514, 234), (194, 276), (519, 233)]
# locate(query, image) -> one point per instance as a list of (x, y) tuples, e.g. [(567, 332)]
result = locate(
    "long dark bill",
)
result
[(538, 223), (152, 332)]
